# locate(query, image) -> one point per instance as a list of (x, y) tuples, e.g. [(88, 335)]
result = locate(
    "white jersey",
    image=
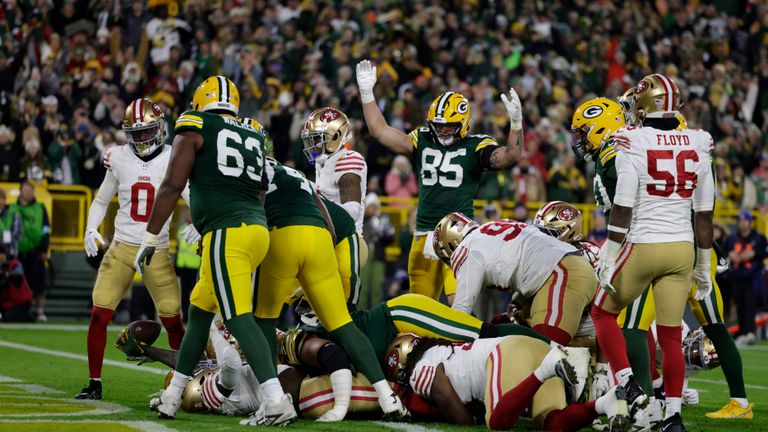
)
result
[(245, 398), (506, 255), (464, 364), (328, 173), (136, 183), (662, 175)]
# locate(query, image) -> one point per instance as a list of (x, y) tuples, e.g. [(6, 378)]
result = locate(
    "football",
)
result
[(145, 331)]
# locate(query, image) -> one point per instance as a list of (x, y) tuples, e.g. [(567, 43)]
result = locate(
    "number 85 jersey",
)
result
[(135, 182), (662, 175)]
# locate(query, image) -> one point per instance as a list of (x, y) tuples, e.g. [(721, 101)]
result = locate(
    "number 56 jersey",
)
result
[(662, 175)]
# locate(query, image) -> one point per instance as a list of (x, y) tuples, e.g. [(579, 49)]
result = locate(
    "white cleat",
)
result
[(166, 405), (614, 403), (581, 360), (273, 414), (557, 360), (601, 382), (655, 412), (335, 414), (393, 407)]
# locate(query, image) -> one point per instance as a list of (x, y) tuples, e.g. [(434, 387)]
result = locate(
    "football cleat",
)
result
[(93, 391), (636, 397), (393, 408), (601, 382), (615, 405), (673, 424), (166, 405), (273, 414), (580, 359), (732, 410), (655, 412)]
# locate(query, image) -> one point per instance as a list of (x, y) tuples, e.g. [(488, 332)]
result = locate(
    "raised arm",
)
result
[(505, 156), (391, 138)]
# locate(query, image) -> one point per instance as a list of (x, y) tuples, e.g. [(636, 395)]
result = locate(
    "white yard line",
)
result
[(722, 382), (55, 327), (72, 356), (141, 425), (406, 427)]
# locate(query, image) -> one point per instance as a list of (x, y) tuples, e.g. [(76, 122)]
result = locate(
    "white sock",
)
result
[(99, 380), (623, 376), (341, 383), (600, 405), (742, 401), (544, 372), (658, 382), (178, 382), (272, 390), (383, 390), (673, 406)]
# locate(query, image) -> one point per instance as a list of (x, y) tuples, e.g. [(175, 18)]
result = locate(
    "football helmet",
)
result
[(627, 102), (449, 109), (144, 126), (325, 132), (397, 354), (656, 96), (216, 93), (449, 232), (699, 351), (562, 217), (290, 347), (593, 123), (192, 396)]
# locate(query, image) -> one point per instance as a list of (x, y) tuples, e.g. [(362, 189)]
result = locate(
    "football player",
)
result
[(661, 174), (222, 156), (303, 249), (511, 255), (135, 173), (508, 375), (449, 162), (594, 124)]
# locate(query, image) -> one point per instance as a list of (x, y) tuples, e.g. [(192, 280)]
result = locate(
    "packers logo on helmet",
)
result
[(656, 96), (449, 117), (449, 232), (325, 132), (562, 218), (217, 93), (144, 126), (593, 123)]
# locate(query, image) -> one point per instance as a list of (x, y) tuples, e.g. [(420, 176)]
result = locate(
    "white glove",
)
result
[(607, 267), (366, 79), (91, 247), (146, 250), (514, 109), (190, 235), (722, 265), (701, 274)]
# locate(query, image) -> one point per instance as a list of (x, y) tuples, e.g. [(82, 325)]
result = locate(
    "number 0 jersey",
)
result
[(226, 180), (505, 254), (341, 163), (135, 183), (662, 174), (449, 177)]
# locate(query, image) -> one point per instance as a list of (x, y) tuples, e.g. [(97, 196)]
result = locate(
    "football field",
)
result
[(43, 366)]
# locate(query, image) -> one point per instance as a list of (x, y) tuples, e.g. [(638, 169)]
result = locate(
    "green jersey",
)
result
[(605, 177), (449, 176), (343, 224), (226, 181), (290, 198)]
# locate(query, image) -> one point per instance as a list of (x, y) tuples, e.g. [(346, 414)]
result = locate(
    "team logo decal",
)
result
[(566, 214), (593, 111), (156, 109), (462, 107), (329, 116), (392, 360), (641, 86)]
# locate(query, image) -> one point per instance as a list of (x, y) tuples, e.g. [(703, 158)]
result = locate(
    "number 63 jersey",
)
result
[(135, 182), (662, 175)]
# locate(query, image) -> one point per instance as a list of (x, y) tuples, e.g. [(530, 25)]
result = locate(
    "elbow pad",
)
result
[(354, 208)]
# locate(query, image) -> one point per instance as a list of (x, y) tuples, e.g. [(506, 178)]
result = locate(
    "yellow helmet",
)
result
[(656, 96), (289, 346), (397, 354), (449, 109), (144, 126), (325, 132), (593, 123), (216, 93), (562, 217), (449, 232)]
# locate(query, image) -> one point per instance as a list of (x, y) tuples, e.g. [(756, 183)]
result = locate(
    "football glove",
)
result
[(514, 109), (607, 267), (366, 79), (132, 347), (146, 250), (190, 234), (701, 274), (91, 247)]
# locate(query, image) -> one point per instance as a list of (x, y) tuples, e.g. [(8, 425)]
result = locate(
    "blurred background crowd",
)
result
[(68, 69)]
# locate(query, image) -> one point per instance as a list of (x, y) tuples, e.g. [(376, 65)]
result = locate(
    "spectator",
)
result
[(187, 263), (599, 232), (51, 120), (400, 181), (65, 156), (378, 232), (15, 294), (746, 249), (566, 182), (34, 165), (527, 184), (521, 214), (10, 226), (34, 243), (9, 156)]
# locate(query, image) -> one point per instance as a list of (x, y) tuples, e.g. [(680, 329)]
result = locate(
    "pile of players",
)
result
[(269, 236)]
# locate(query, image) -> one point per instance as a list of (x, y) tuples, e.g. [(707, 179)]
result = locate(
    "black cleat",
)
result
[(636, 397), (93, 391), (659, 392), (673, 424)]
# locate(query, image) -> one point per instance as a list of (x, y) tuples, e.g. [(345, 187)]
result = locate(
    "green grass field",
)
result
[(43, 366)]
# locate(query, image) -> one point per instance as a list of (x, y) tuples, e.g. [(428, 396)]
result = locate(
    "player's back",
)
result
[(290, 198), (226, 180), (668, 165)]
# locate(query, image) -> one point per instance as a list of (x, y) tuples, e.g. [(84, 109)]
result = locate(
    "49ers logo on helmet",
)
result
[(329, 116), (156, 109), (566, 214), (641, 86), (392, 360)]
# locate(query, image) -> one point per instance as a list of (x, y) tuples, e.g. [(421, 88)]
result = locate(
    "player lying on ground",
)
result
[(507, 375), (510, 255)]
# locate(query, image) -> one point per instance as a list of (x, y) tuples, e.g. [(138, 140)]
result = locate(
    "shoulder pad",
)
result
[(192, 119), (607, 152), (253, 123)]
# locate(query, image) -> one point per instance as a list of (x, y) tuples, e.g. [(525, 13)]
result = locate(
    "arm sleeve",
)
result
[(704, 195), (421, 379), (627, 183), (100, 203), (469, 271), (484, 151)]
